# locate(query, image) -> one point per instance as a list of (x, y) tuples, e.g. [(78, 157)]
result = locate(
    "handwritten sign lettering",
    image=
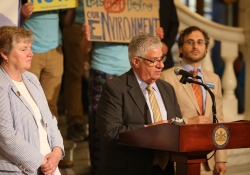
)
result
[(44, 5), (112, 6), (120, 20)]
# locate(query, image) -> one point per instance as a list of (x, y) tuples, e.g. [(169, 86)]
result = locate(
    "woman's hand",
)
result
[(53, 158)]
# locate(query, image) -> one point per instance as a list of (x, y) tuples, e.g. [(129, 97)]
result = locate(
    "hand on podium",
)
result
[(157, 123), (175, 120)]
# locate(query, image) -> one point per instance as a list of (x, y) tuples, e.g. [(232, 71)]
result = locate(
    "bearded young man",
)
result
[(197, 109)]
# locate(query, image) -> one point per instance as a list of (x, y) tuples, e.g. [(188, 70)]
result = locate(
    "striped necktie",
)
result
[(198, 92), (154, 105), (161, 157)]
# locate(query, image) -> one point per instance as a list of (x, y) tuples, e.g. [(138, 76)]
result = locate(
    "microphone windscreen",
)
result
[(177, 70)]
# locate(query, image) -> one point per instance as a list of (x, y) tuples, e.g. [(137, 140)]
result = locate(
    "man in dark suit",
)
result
[(124, 105)]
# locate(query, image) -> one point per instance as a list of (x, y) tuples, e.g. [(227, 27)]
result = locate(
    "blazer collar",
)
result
[(8, 84), (137, 95)]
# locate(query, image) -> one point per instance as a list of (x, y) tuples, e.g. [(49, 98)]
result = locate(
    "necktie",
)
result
[(197, 92), (161, 157), (154, 105)]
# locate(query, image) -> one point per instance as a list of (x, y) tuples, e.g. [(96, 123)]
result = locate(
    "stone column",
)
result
[(229, 52), (244, 22)]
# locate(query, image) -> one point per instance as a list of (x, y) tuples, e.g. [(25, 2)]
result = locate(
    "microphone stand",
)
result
[(185, 79)]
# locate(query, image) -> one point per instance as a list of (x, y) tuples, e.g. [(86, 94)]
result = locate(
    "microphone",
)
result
[(179, 71)]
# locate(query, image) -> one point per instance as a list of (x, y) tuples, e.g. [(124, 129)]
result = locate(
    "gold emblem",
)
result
[(220, 136)]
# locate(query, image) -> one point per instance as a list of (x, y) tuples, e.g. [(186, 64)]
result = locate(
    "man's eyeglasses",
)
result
[(156, 60), (192, 42)]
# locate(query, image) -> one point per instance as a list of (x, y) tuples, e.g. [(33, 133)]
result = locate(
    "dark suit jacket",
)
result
[(122, 107), (170, 23)]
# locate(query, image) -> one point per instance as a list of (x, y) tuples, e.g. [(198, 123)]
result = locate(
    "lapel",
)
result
[(189, 91), (38, 95), (137, 95), (10, 85), (22, 99), (165, 97)]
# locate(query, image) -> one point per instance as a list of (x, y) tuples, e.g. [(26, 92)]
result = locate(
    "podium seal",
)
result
[(220, 136)]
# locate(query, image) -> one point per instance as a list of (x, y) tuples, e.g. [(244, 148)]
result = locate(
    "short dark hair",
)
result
[(189, 30)]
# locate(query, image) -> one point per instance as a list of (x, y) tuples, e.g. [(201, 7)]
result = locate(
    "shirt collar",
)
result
[(189, 68)]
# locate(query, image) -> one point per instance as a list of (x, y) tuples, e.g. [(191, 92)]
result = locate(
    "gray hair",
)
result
[(141, 43)]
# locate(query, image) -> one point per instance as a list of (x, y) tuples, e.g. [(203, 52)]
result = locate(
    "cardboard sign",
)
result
[(120, 20), (9, 13), (44, 5)]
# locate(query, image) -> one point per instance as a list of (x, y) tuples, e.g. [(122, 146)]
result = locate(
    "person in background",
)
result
[(125, 105), (75, 62), (170, 23), (196, 108), (47, 62), (30, 140), (108, 60)]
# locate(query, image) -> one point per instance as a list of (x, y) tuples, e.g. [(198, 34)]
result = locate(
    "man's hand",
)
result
[(160, 32), (198, 120), (53, 158), (220, 168), (26, 11), (157, 123)]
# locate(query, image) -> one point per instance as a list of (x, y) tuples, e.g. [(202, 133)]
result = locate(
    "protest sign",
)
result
[(120, 20), (9, 13), (44, 5)]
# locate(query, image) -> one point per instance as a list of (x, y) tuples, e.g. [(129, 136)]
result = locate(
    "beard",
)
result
[(193, 59)]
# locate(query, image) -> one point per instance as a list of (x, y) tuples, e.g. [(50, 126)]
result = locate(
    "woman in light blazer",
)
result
[(30, 142)]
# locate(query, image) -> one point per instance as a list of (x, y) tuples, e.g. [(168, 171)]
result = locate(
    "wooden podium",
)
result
[(189, 144)]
